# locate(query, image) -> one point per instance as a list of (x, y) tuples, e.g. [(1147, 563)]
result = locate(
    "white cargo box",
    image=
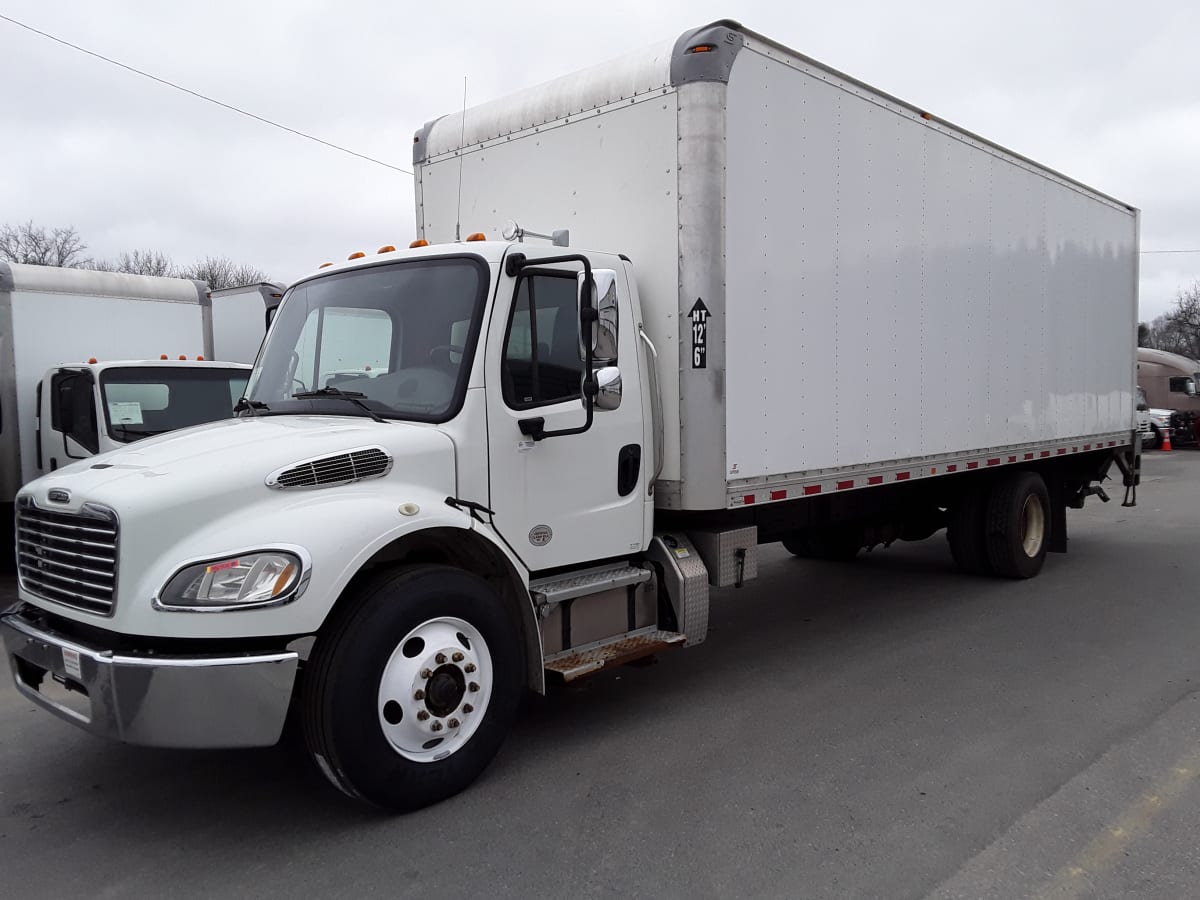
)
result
[(844, 289)]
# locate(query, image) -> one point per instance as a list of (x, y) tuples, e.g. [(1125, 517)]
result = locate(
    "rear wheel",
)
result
[(1018, 525), (413, 690), (966, 531)]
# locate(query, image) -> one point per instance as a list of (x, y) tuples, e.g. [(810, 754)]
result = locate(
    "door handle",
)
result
[(629, 467)]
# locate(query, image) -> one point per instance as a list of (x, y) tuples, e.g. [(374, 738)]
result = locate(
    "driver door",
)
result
[(574, 498)]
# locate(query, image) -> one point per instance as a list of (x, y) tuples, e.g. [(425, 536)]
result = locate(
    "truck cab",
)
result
[(92, 408)]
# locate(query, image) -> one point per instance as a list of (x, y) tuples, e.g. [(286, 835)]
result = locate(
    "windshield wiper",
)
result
[(338, 394), (244, 404), (137, 432)]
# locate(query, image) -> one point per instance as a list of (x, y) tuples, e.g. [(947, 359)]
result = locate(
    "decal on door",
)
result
[(540, 535), (699, 316)]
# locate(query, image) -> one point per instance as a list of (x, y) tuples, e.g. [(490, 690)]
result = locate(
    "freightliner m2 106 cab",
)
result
[(472, 467)]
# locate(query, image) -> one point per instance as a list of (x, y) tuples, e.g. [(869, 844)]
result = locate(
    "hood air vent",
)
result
[(326, 471)]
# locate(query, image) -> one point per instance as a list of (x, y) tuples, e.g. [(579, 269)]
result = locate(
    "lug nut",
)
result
[(422, 715), (469, 668), (472, 687), (453, 723), (467, 707), (427, 673), (436, 726), (440, 659), (419, 695), (457, 657)]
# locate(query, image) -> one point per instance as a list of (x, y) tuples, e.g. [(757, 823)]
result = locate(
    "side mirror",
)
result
[(604, 302), (608, 387)]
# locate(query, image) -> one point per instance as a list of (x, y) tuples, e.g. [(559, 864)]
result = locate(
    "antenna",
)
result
[(461, 138)]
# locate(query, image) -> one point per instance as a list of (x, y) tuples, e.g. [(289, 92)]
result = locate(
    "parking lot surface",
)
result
[(888, 728)]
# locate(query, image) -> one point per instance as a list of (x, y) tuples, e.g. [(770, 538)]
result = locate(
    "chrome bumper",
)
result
[(239, 700)]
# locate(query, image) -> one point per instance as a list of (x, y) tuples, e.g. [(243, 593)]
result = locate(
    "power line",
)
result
[(200, 96)]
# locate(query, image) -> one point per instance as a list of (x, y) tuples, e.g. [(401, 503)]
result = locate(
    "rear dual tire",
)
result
[(1002, 529)]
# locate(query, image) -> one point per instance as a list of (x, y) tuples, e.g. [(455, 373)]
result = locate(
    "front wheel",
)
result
[(412, 691), (1154, 441)]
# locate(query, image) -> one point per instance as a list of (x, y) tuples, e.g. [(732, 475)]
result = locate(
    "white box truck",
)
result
[(71, 348), (792, 308), (240, 318)]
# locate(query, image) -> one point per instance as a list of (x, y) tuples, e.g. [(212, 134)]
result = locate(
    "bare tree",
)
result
[(35, 245), (145, 262), (221, 272), (1178, 331)]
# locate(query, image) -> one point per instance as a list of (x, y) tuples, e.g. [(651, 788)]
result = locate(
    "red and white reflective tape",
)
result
[(834, 484)]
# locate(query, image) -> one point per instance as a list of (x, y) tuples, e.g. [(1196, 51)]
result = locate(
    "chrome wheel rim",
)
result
[(435, 689)]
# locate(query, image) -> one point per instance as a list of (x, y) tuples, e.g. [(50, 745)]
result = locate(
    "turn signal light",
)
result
[(702, 48), (387, 248), (356, 255), (477, 236), (419, 242)]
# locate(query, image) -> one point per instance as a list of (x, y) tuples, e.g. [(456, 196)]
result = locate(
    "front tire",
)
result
[(1155, 440), (411, 692)]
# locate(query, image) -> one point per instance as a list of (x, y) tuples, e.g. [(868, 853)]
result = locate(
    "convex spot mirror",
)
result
[(608, 388), (604, 301)]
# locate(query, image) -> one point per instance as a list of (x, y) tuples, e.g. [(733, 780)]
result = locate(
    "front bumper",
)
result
[(238, 700)]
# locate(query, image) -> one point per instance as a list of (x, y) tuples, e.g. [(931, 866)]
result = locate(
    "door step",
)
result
[(559, 588), (577, 663)]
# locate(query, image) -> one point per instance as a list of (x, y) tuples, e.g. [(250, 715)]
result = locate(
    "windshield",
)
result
[(144, 401), (394, 336)]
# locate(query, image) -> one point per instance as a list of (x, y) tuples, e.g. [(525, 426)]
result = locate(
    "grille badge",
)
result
[(58, 495)]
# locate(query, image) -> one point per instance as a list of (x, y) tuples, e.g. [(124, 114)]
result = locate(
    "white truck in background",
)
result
[(240, 319), (73, 382), (470, 467)]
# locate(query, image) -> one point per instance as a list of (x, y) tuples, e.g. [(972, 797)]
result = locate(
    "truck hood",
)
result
[(212, 464)]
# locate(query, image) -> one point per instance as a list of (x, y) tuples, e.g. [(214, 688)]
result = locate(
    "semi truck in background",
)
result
[(73, 380), (1170, 384), (560, 446)]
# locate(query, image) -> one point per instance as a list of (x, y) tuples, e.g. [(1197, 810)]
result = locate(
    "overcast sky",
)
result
[(1106, 92)]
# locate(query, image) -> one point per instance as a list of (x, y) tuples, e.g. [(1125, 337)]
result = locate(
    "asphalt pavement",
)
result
[(884, 729)]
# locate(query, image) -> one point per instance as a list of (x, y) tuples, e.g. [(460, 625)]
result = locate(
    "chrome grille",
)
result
[(340, 468), (69, 558)]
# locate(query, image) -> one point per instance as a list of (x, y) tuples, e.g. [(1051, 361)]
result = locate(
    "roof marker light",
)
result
[(419, 242), (164, 356), (321, 266), (387, 248), (477, 236), (357, 254), (91, 360), (199, 359)]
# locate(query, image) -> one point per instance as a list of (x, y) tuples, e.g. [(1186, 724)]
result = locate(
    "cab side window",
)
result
[(541, 349), (72, 411)]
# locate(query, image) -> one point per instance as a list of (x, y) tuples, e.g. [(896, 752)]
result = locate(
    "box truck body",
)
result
[(838, 281), (241, 316)]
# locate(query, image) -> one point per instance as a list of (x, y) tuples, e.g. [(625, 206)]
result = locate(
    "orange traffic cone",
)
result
[(1166, 441)]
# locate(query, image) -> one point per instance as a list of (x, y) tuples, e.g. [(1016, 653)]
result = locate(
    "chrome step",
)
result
[(577, 663), (559, 588)]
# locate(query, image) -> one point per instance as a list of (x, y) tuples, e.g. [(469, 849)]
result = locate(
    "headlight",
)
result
[(237, 582)]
